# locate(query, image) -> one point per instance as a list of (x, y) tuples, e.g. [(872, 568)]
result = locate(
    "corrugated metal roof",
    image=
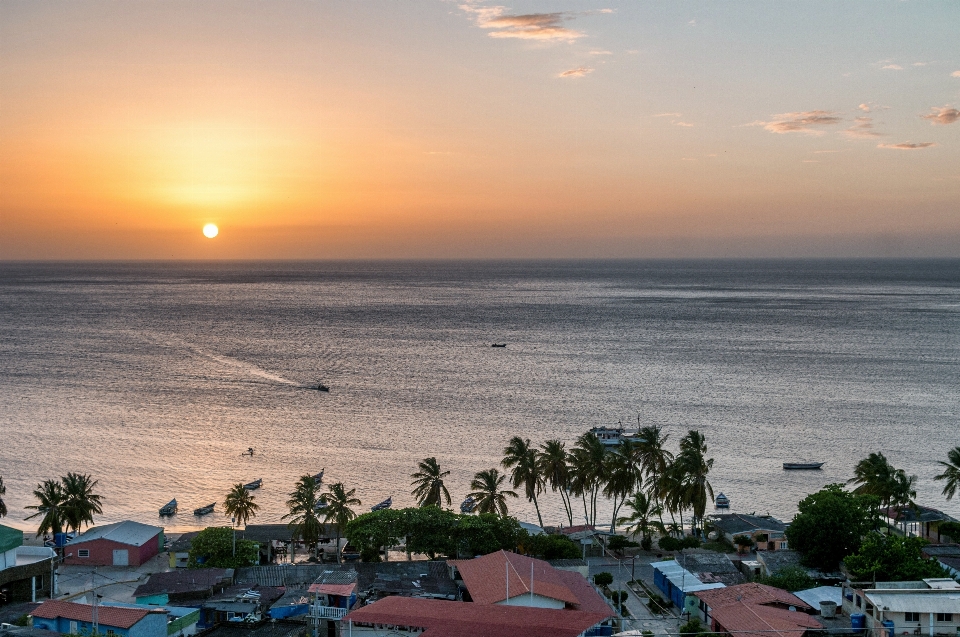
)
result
[(814, 596), (126, 532), (919, 601)]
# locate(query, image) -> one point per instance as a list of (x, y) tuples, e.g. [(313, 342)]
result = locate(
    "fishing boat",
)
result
[(386, 504), (802, 465), (722, 501), (169, 508), (498, 345), (468, 505), (248, 452), (320, 505), (322, 387), (256, 484), (613, 436), (205, 510), (318, 477)]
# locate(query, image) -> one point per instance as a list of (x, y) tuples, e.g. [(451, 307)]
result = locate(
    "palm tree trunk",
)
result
[(566, 505), (586, 513), (536, 505), (338, 545)]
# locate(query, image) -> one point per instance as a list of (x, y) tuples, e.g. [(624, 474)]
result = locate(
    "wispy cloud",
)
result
[(907, 145), (802, 122), (820, 152), (601, 52), (944, 116), (919, 64), (669, 115), (693, 22), (892, 67), (862, 128), (673, 119), (577, 72), (527, 26), (864, 107), (955, 74), (683, 124)]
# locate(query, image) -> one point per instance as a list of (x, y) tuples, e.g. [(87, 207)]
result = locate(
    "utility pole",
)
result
[(95, 628)]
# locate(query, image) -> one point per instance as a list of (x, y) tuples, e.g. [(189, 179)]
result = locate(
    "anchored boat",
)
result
[(205, 510), (722, 501), (170, 508), (318, 477), (468, 505), (256, 484), (802, 465), (386, 504)]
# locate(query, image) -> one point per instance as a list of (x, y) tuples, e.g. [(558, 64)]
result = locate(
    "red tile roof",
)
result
[(486, 579), (756, 608), (106, 615), (440, 618)]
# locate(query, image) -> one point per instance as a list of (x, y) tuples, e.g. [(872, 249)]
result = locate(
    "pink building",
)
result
[(120, 544)]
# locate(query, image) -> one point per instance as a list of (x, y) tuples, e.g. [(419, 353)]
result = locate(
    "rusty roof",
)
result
[(106, 615)]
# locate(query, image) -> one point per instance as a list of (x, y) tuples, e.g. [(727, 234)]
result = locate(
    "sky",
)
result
[(335, 129)]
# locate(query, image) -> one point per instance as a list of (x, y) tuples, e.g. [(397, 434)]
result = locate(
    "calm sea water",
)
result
[(155, 377)]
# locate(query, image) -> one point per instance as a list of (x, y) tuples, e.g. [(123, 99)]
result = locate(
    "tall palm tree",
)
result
[(81, 503), (640, 520), (338, 510), (489, 494), (51, 507), (655, 459), (874, 475), (428, 484), (695, 467), (3, 492), (588, 472), (303, 503), (556, 472), (521, 456), (951, 473), (240, 505), (623, 476)]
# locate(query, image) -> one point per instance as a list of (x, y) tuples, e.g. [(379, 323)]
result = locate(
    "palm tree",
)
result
[(623, 476), (588, 472), (338, 510), (3, 492), (80, 502), (428, 484), (556, 472), (52, 498), (303, 503), (521, 456), (655, 459), (951, 473), (695, 467), (874, 475), (489, 495), (239, 504), (640, 519)]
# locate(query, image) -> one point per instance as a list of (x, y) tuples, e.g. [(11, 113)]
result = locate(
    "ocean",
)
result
[(155, 377)]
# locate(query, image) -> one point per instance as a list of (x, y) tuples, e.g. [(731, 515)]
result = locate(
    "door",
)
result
[(120, 557)]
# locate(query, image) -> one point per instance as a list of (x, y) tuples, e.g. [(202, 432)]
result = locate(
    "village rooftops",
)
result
[(711, 567), (941, 550), (200, 582), (916, 601), (341, 583), (106, 615), (127, 532), (183, 543), (486, 580), (441, 618), (743, 524), (916, 514), (422, 578), (755, 608)]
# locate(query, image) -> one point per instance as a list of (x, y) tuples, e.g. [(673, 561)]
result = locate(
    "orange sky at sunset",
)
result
[(442, 129)]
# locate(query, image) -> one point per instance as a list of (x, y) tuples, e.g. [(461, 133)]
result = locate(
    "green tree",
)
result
[(240, 504), (743, 542), (303, 504), (51, 507), (488, 492), (951, 473), (789, 578), (213, 547), (429, 489), (520, 456), (370, 531), (655, 458), (338, 510), (624, 474), (431, 531), (552, 547), (874, 475), (556, 472), (3, 492), (830, 525), (588, 473), (603, 579), (892, 558), (697, 490), (80, 502), (640, 519), (486, 533)]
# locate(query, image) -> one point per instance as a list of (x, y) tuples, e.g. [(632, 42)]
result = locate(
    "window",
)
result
[(944, 617), (911, 617), (83, 553), (859, 602)]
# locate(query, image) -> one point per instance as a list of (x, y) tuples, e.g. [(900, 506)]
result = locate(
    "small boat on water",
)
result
[(498, 345), (318, 477), (205, 510), (322, 387), (802, 465), (468, 505), (722, 501), (248, 452), (170, 508), (256, 484), (386, 504)]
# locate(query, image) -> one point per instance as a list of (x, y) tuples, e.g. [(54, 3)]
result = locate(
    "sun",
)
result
[(210, 230)]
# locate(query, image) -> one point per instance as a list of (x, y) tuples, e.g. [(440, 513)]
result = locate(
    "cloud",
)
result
[(944, 116), (601, 52), (907, 145), (864, 107), (955, 74), (803, 122), (577, 72), (892, 67), (669, 115), (919, 64), (693, 22), (862, 128), (528, 26), (819, 152), (684, 124)]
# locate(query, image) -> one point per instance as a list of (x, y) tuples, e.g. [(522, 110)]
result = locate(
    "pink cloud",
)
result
[(943, 116), (802, 122), (907, 145)]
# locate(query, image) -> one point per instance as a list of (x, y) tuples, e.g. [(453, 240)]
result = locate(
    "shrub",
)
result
[(646, 543), (603, 579), (669, 543), (22, 620), (213, 547), (789, 578), (552, 547), (619, 542), (690, 542)]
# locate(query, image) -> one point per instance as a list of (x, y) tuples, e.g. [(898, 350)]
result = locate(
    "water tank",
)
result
[(888, 625), (828, 609), (712, 535), (858, 621)]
